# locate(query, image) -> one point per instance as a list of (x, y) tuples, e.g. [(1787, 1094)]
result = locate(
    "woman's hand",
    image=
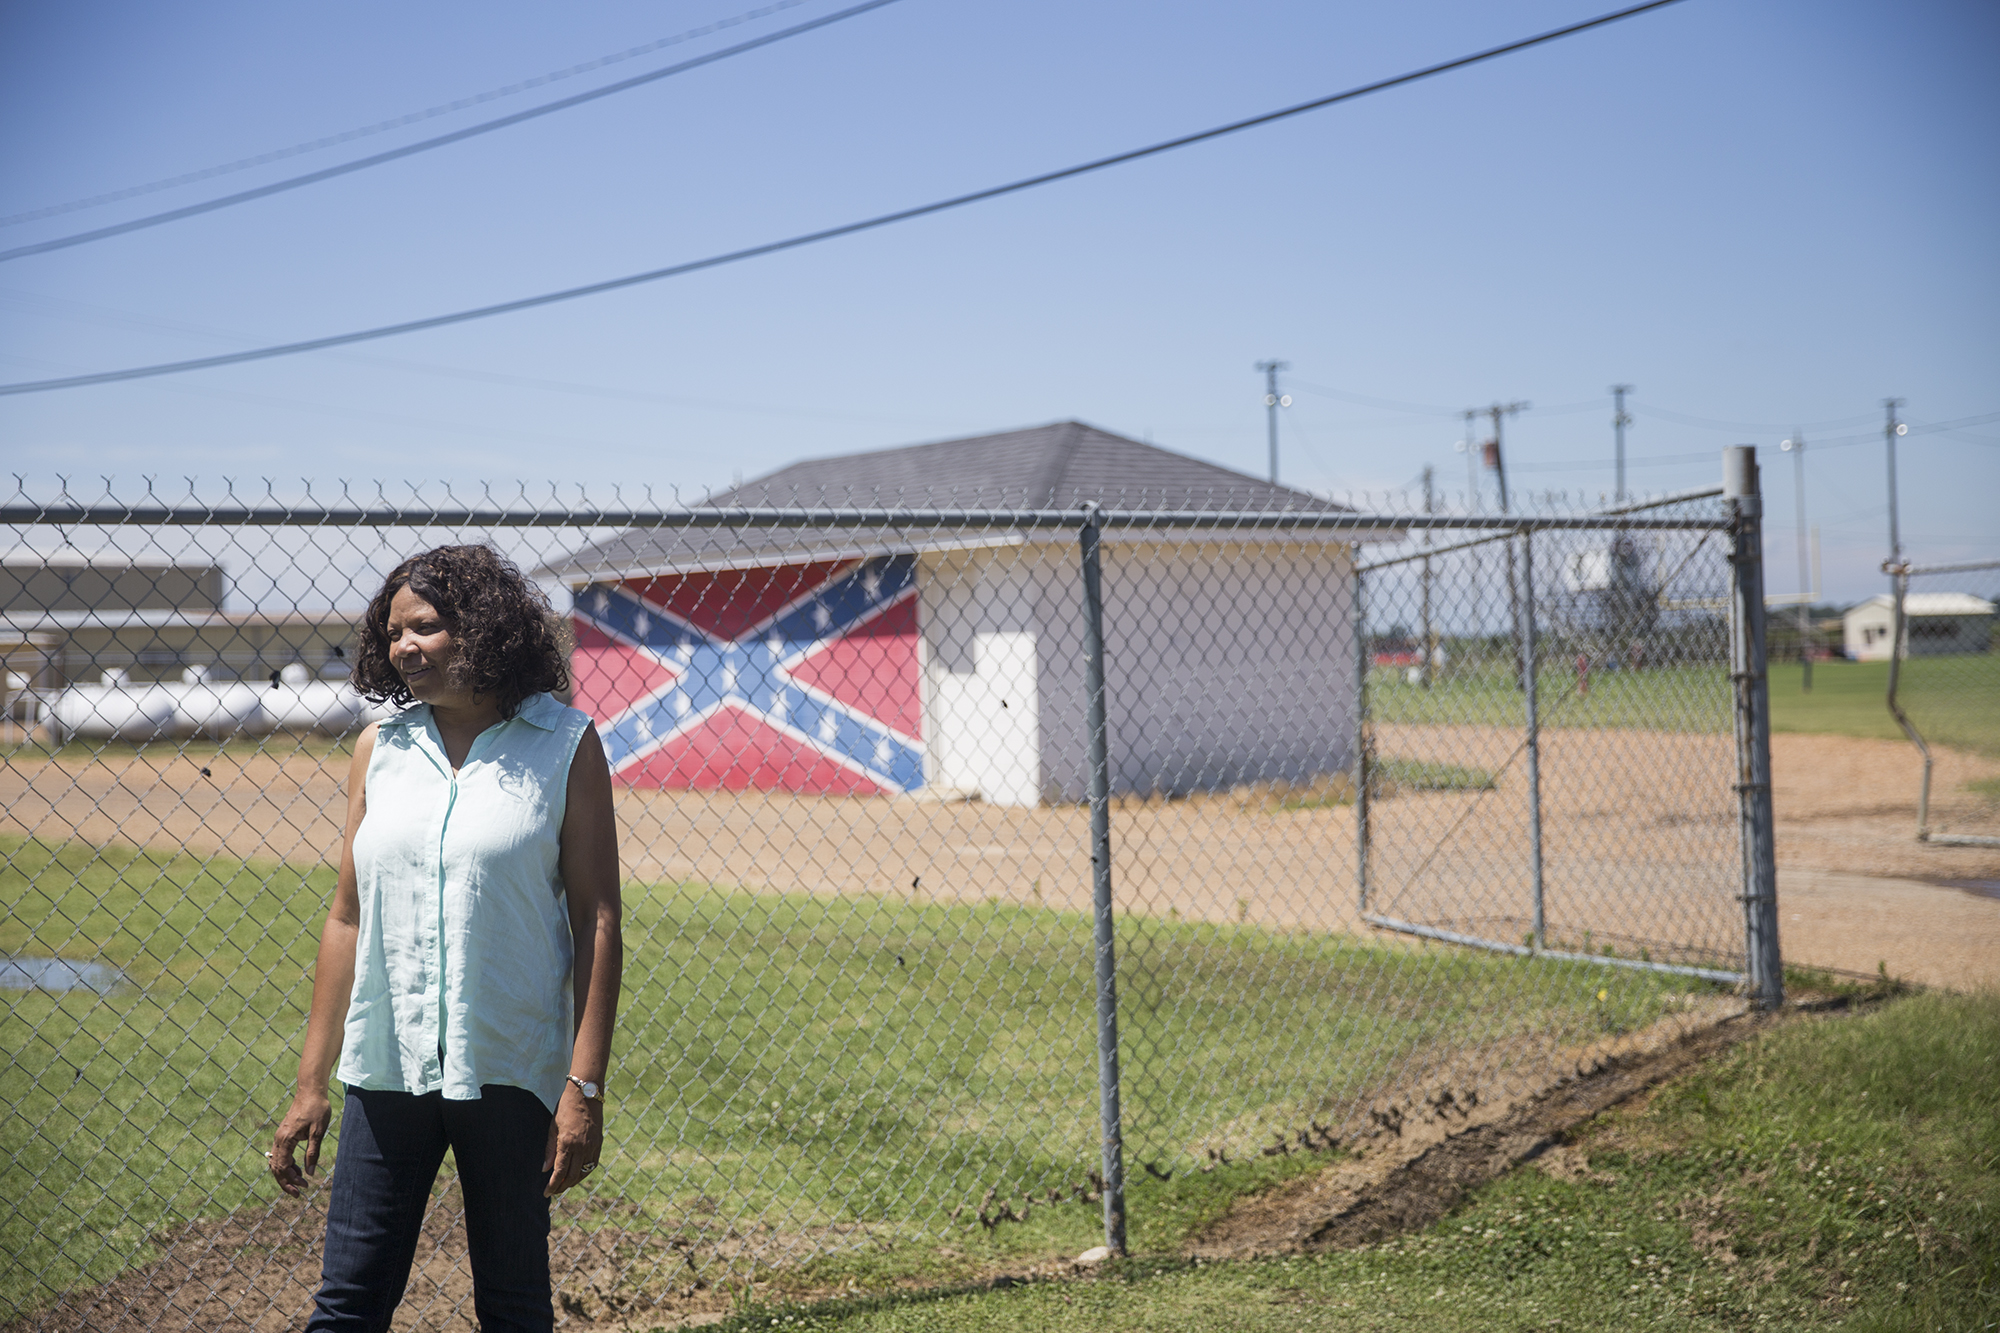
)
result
[(310, 1117), (576, 1140)]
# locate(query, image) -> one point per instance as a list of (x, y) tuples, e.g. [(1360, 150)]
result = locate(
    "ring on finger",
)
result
[(589, 1167)]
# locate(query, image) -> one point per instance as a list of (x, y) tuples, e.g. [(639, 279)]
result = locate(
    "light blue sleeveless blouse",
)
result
[(465, 944)]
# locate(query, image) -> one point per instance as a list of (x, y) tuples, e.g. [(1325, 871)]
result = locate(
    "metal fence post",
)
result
[(1362, 777), (1899, 641), (1747, 671), (1527, 631), (1088, 540), (1899, 647)]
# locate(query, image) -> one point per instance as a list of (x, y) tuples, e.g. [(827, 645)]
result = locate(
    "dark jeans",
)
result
[(391, 1145)]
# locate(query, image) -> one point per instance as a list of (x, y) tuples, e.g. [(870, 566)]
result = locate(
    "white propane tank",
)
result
[(217, 708), (297, 702), (115, 710)]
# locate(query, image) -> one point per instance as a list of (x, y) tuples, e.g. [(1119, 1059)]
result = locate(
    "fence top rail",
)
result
[(306, 516), (1429, 551), (1679, 497), (1661, 501), (1961, 567)]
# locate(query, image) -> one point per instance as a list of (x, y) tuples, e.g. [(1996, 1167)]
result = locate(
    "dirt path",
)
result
[(1421, 1161), (1419, 1175)]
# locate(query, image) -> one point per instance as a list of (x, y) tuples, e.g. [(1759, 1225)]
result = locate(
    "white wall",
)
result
[(976, 621), (1866, 631), (1225, 663)]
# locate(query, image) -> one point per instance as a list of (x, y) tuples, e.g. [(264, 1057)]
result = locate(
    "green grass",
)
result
[(1954, 701), (1838, 1173), (127, 1110), (1387, 777), (1847, 699), (1426, 775), (1684, 699), (807, 1061)]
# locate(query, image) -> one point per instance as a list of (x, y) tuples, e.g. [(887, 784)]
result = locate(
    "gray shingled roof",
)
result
[(1058, 466)]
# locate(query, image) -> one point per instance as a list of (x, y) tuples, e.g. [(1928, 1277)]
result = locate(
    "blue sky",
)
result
[(1760, 214)]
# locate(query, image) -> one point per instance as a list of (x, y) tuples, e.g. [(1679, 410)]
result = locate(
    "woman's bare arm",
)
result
[(589, 861), (311, 1113)]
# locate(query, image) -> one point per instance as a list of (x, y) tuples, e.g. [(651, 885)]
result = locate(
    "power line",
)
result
[(1565, 409), (210, 391), (1390, 404), (809, 238), (1710, 423), (1934, 428), (397, 122), (1982, 419), (1837, 442), (425, 145), (106, 315), (1431, 410)]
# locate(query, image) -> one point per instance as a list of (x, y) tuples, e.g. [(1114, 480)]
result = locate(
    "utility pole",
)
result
[(1891, 428), (1273, 400), (1467, 447), (1796, 447), (1430, 634), (1495, 459), (1620, 419)]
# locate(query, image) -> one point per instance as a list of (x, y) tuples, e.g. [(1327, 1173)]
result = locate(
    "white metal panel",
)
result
[(981, 702)]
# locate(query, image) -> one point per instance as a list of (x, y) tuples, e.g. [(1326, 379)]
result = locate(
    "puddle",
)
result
[(57, 974), (1979, 888)]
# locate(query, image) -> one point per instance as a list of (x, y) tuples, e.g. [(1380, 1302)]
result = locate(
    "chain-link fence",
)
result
[(1944, 687), (972, 855)]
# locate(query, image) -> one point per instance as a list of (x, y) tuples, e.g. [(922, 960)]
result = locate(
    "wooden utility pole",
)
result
[(1496, 459)]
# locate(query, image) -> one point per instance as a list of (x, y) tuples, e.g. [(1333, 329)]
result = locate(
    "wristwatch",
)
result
[(591, 1091)]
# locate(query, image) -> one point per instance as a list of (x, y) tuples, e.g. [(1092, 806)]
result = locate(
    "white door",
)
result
[(986, 725)]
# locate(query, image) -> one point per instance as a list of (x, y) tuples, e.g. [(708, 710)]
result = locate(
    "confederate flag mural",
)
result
[(796, 678)]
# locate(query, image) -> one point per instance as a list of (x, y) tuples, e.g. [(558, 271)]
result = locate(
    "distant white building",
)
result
[(110, 646), (1939, 623)]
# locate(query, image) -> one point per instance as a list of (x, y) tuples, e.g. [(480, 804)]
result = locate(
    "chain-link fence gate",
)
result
[(972, 855), (1944, 688)]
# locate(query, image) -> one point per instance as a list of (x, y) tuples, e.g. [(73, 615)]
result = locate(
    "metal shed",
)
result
[(1939, 623), (948, 661)]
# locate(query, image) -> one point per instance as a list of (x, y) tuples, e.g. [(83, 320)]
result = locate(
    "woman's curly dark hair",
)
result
[(510, 644)]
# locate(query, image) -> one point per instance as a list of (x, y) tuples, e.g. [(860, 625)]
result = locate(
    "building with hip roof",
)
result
[(1939, 623), (868, 658)]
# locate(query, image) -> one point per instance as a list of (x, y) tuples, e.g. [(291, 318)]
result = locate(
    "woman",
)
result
[(468, 972)]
